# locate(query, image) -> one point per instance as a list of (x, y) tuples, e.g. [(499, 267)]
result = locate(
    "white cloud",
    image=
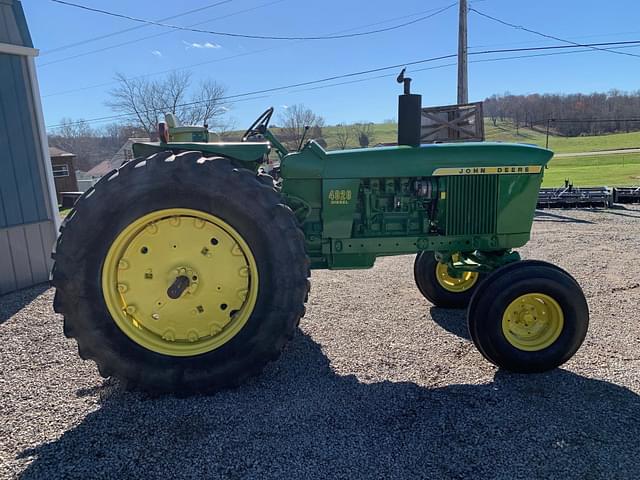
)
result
[(157, 53), (201, 45), (285, 106)]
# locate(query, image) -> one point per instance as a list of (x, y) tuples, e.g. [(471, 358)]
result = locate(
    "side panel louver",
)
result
[(472, 204)]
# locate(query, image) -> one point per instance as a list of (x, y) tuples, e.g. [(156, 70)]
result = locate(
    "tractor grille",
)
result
[(472, 204)]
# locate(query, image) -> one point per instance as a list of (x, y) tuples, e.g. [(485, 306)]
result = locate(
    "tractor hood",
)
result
[(425, 160)]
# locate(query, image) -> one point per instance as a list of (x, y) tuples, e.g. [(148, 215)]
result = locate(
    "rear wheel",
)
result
[(439, 287), (528, 316), (181, 274)]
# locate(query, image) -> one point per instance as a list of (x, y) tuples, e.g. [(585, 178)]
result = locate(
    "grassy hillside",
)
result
[(614, 169), (506, 132)]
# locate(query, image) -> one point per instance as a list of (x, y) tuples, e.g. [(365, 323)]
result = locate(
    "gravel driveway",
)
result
[(377, 384)]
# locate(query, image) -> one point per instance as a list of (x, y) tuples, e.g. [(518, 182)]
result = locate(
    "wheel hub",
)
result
[(185, 282), (459, 284), (532, 322)]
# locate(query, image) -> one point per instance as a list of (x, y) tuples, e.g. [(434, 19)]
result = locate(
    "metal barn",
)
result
[(28, 206)]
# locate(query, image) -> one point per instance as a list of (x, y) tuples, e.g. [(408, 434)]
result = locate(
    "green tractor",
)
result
[(187, 269)]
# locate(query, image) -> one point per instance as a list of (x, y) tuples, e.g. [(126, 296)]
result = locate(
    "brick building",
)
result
[(64, 171)]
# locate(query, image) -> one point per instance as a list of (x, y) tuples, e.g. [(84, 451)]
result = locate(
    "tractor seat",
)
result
[(185, 133), (172, 120)]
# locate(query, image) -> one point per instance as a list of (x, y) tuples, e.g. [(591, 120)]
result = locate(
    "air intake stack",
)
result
[(409, 114)]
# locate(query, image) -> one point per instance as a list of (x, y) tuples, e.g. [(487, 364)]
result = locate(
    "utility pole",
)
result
[(463, 84), (548, 125)]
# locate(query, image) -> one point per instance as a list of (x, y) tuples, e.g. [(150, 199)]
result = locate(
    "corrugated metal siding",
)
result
[(22, 195), (27, 231), (25, 255), (13, 26)]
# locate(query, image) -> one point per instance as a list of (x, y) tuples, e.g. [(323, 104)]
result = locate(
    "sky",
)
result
[(78, 87)]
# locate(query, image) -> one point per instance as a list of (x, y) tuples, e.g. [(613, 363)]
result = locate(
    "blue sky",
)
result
[(244, 65)]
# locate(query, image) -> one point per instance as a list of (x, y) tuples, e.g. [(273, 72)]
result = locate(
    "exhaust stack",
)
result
[(409, 114)]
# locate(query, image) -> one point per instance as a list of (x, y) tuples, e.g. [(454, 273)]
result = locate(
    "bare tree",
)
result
[(364, 133), (69, 129), (294, 120), (77, 137), (121, 132), (615, 111), (343, 135), (228, 130), (146, 101), (209, 107)]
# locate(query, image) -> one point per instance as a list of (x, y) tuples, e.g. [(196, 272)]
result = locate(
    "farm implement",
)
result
[(573, 197), (187, 269)]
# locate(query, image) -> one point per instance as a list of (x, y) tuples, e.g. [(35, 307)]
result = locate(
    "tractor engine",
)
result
[(395, 207)]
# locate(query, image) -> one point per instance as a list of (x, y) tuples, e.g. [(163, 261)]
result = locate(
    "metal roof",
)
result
[(58, 152), (14, 30)]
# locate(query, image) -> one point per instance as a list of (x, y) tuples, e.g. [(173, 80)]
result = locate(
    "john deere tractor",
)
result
[(187, 269)]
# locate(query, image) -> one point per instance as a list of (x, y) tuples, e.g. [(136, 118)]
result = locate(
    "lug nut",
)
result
[(169, 336), (198, 223)]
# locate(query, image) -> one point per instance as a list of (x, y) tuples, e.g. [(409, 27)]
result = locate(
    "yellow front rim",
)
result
[(180, 282), (455, 284), (532, 322)]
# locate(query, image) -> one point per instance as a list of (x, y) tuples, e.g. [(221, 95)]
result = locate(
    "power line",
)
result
[(453, 64), (256, 37), (127, 30), (588, 120), (217, 60), (362, 72), (552, 37), (140, 39)]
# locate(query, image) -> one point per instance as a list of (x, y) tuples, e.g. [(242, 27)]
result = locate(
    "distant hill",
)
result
[(507, 132)]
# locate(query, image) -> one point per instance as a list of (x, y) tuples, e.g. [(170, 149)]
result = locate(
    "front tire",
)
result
[(528, 316), (182, 274), (440, 288)]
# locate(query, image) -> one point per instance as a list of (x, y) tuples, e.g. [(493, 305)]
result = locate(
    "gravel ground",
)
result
[(377, 384)]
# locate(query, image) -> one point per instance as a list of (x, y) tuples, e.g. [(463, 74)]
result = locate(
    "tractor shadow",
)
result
[(301, 419), (621, 211), (452, 320), (547, 216), (12, 303)]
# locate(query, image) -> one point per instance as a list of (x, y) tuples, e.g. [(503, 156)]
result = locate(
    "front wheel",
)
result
[(439, 287), (529, 316)]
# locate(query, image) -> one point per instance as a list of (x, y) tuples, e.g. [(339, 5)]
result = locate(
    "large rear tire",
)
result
[(181, 274)]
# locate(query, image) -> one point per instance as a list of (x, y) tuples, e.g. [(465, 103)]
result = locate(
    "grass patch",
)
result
[(63, 212), (506, 132), (609, 170)]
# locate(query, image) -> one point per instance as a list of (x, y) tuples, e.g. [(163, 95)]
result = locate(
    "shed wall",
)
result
[(22, 194), (28, 211)]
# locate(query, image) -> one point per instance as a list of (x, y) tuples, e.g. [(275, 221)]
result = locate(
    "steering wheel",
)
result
[(259, 126)]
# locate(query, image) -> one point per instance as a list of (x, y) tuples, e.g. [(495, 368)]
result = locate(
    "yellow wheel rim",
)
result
[(180, 282), (455, 284), (532, 322)]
